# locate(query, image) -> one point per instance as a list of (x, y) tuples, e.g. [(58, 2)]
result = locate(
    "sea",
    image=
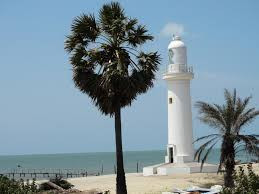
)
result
[(93, 163)]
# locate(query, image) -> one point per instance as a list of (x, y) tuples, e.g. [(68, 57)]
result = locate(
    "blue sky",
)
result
[(42, 112)]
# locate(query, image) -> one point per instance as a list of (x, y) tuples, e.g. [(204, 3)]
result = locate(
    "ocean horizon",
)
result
[(93, 162)]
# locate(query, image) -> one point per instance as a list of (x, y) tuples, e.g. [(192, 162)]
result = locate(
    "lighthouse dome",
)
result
[(176, 43), (177, 51)]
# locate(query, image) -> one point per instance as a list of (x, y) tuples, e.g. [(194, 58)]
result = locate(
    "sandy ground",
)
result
[(138, 184)]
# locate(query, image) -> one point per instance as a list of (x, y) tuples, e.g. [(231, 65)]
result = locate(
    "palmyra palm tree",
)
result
[(229, 120), (109, 67)]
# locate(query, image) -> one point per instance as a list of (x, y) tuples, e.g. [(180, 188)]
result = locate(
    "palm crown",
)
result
[(229, 120), (107, 63)]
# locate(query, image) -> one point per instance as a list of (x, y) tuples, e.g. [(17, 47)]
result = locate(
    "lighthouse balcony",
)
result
[(178, 72), (179, 68)]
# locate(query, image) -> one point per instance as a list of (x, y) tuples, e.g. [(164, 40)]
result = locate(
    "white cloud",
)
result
[(171, 29)]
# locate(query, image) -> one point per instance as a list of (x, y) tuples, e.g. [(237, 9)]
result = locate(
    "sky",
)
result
[(42, 112)]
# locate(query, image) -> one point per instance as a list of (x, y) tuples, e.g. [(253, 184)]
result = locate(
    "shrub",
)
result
[(244, 183), (8, 186)]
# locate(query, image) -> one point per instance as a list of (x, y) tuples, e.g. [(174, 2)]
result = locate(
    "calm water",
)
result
[(92, 162)]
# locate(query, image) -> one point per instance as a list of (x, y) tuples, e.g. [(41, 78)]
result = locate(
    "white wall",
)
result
[(180, 119)]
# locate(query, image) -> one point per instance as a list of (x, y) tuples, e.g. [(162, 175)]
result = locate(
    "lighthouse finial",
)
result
[(176, 37)]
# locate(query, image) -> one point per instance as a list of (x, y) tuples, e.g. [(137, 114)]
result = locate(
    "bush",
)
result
[(8, 186), (244, 183)]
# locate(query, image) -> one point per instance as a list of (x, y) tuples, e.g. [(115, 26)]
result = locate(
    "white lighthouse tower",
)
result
[(180, 150), (178, 77)]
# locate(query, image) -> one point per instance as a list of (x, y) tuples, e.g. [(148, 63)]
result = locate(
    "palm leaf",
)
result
[(251, 143), (210, 115), (207, 154), (205, 137), (246, 118), (200, 150)]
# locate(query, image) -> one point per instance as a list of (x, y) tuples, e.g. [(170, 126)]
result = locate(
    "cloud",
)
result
[(171, 29)]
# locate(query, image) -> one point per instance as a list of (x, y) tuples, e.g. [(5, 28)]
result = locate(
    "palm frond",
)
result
[(206, 155), (143, 76), (246, 118), (131, 24), (230, 106), (209, 114), (251, 143), (112, 18), (138, 36), (206, 137), (84, 30), (72, 41), (230, 98), (86, 26), (241, 106), (200, 150)]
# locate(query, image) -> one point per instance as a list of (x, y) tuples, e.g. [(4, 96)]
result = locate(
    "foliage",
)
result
[(229, 120), (58, 181), (244, 183), (8, 186), (106, 59)]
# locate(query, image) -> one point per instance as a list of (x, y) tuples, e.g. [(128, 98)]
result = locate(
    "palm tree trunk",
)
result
[(121, 187), (229, 162)]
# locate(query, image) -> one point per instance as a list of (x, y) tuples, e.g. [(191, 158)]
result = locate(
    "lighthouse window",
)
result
[(170, 100), (171, 56)]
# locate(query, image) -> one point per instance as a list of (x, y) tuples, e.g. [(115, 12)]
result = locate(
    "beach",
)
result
[(138, 184)]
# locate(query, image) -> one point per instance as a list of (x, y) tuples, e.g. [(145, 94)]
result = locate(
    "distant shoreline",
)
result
[(92, 163)]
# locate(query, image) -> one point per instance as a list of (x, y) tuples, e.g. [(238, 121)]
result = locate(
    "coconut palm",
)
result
[(109, 66), (229, 120)]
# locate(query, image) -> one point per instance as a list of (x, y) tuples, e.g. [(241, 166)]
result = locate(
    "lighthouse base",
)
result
[(179, 168)]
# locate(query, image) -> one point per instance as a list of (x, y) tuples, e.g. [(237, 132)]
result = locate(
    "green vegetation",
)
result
[(109, 66), (229, 120), (11, 186), (8, 186), (244, 183)]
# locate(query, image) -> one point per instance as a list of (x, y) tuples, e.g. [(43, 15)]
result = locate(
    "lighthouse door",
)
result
[(171, 155)]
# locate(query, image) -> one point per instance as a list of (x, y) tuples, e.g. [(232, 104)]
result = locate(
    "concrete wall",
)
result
[(180, 119)]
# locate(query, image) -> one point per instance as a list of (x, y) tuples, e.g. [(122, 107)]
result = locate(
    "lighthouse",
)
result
[(179, 157), (178, 77)]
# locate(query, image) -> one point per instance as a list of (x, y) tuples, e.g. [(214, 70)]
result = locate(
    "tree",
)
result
[(109, 66), (229, 120)]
